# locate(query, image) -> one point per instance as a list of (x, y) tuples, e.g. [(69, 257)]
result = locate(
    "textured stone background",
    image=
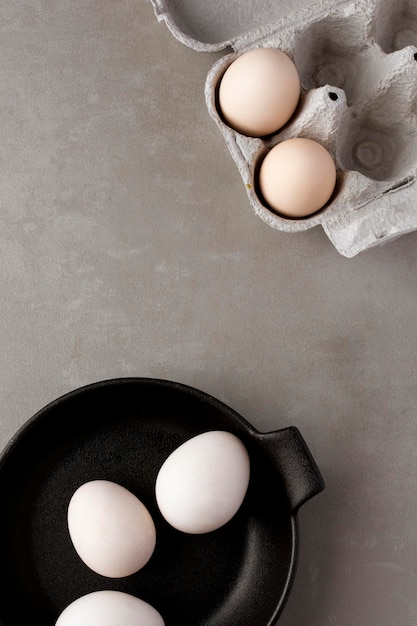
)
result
[(127, 248)]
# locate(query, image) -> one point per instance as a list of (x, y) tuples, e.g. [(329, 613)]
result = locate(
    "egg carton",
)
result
[(357, 62)]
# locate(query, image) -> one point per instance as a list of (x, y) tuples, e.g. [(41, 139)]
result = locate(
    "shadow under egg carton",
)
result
[(357, 63)]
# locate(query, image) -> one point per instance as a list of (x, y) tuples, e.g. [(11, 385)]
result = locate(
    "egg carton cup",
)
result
[(357, 62)]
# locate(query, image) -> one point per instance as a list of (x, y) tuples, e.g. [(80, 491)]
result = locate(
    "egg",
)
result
[(297, 177), (259, 92), (203, 482), (109, 608), (110, 528)]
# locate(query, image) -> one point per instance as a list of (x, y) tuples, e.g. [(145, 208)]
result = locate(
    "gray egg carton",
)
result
[(357, 62)]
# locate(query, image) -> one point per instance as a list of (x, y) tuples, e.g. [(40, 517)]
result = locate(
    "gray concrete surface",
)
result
[(128, 248)]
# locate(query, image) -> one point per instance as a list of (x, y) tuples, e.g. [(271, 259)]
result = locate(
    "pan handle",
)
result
[(291, 456)]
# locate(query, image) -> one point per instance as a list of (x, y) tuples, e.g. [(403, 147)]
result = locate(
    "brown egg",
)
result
[(297, 177), (259, 92)]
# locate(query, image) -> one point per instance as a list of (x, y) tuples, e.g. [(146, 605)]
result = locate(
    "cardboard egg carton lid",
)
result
[(357, 61), (215, 25)]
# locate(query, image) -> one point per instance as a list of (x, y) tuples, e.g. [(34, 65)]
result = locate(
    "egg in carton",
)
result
[(357, 63)]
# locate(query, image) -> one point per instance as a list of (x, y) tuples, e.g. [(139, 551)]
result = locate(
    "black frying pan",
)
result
[(122, 430)]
